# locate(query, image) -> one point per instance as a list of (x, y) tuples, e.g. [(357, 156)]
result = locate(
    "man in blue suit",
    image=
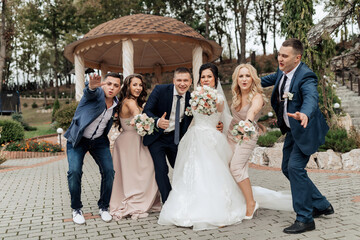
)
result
[(295, 101), (88, 133), (167, 104)]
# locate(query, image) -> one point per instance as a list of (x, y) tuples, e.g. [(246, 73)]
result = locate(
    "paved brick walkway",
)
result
[(35, 204)]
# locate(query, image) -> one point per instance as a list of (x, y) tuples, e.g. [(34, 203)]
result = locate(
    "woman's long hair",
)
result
[(126, 94), (254, 89)]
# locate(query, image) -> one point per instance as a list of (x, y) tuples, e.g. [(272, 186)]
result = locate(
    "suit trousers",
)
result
[(164, 147), (305, 195)]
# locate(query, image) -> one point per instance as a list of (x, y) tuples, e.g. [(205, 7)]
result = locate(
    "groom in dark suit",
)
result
[(295, 101), (167, 104)]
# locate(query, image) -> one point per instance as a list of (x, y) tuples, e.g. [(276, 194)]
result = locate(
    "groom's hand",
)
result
[(302, 117), (163, 123), (95, 82), (220, 126)]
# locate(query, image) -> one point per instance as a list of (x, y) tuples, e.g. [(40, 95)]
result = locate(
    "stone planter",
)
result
[(330, 160), (22, 154)]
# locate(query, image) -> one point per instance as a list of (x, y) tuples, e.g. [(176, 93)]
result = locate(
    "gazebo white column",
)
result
[(127, 57), (79, 76), (197, 61), (103, 72)]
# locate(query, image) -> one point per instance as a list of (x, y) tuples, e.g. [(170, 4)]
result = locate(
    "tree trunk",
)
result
[(236, 36), (3, 44), (228, 36), (207, 19), (274, 28), (243, 38), (56, 64)]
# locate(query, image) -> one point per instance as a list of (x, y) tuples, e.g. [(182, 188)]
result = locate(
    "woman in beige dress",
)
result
[(248, 99), (135, 191)]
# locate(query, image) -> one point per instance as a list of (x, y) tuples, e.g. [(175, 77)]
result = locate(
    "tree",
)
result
[(52, 20), (2, 42), (262, 17)]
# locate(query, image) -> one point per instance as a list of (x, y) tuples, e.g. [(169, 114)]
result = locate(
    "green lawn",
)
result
[(42, 129)]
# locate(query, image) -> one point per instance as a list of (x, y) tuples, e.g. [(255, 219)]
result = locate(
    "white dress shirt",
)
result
[(97, 127), (173, 111), (286, 89)]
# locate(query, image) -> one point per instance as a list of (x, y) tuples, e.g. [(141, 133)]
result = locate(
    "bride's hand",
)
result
[(220, 127)]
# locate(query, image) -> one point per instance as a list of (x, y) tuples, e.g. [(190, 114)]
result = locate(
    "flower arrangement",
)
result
[(143, 124), (288, 95), (34, 146), (203, 100), (244, 131)]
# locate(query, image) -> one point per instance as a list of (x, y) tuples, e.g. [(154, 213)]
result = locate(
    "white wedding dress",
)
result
[(204, 194)]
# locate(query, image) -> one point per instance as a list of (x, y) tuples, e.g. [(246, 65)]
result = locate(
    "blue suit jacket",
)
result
[(160, 101), (91, 105), (304, 88)]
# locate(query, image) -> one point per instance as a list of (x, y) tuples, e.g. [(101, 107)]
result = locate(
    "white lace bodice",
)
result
[(201, 120)]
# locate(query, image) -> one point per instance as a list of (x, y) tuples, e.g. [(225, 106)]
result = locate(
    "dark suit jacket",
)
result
[(91, 105), (159, 102), (304, 88)]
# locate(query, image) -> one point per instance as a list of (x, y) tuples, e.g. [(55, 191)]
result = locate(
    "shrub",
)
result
[(65, 114), (33, 146), (19, 118), (268, 139), (11, 131), (25, 105), (263, 118), (34, 105), (338, 140)]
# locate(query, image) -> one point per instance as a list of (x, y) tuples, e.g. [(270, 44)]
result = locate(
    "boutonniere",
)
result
[(288, 95)]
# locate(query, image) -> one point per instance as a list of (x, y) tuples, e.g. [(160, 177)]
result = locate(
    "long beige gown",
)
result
[(135, 191), (239, 164)]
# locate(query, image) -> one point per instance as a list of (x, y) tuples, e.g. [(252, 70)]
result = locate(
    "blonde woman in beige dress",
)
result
[(135, 191), (248, 99)]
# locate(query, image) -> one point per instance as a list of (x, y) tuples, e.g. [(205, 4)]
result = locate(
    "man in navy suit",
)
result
[(295, 101), (88, 133), (167, 104)]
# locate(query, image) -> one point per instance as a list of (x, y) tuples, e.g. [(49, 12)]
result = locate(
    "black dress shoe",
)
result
[(299, 227), (317, 213)]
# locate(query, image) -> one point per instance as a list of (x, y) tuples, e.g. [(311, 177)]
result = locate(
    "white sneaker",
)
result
[(78, 216), (105, 215)]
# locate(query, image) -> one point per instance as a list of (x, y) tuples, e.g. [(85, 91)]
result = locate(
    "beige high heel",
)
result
[(252, 215)]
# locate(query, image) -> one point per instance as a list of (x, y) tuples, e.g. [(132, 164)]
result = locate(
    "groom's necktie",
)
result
[(177, 121), (280, 113)]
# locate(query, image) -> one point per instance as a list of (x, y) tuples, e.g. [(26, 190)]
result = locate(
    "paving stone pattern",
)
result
[(35, 204)]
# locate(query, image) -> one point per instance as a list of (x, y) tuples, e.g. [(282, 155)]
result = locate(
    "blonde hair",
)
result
[(254, 88)]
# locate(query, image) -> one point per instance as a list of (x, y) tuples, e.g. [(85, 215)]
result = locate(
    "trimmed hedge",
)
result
[(269, 139), (11, 131)]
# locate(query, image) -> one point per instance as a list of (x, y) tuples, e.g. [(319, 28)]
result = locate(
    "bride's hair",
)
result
[(254, 89), (213, 68), (125, 93)]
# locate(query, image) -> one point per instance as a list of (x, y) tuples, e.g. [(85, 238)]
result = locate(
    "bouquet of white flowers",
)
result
[(203, 100), (244, 130), (143, 124)]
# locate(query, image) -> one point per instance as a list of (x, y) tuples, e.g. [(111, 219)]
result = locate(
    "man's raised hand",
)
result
[(163, 123), (95, 82), (300, 117)]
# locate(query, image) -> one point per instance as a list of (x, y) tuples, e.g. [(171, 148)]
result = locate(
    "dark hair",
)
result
[(182, 70), (115, 75), (295, 44), (213, 68), (125, 93)]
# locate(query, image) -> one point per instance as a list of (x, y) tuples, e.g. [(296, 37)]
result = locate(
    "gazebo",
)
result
[(140, 43)]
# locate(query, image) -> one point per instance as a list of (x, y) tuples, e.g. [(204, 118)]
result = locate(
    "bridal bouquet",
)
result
[(143, 124), (244, 131), (203, 100)]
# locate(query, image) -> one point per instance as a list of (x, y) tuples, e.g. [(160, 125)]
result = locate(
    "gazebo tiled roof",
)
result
[(157, 40)]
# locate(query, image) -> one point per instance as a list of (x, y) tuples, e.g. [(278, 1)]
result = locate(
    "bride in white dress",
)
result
[(204, 194)]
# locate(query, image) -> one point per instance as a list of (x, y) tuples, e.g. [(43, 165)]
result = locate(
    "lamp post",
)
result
[(59, 132)]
